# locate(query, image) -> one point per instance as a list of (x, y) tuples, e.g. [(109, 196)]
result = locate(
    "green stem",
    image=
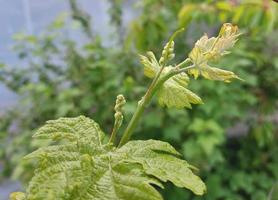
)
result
[(140, 109), (155, 85), (173, 72), (113, 134), (186, 61)]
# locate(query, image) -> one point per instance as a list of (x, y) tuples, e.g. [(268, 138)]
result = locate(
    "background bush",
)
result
[(232, 139)]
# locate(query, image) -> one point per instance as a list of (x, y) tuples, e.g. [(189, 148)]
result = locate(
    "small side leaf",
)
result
[(173, 92), (173, 95)]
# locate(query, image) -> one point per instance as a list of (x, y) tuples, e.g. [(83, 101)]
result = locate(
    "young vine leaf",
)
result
[(211, 49), (83, 167), (173, 92)]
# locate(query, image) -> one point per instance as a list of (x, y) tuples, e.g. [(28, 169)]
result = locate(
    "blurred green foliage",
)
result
[(232, 138)]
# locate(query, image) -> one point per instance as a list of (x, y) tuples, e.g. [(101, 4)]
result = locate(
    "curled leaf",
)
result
[(151, 66)]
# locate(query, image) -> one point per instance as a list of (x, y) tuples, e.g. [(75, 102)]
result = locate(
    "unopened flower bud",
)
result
[(171, 49), (228, 30), (161, 60), (120, 102), (167, 53), (171, 56)]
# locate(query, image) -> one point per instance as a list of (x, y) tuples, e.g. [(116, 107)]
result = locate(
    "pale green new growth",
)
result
[(173, 92), (17, 196), (80, 166), (209, 49), (85, 168)]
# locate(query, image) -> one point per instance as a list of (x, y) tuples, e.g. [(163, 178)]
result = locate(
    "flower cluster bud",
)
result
[(120, 102), (167, 53), (228, 30)]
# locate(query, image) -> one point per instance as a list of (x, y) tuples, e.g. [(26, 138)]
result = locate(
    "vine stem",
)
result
[(113, 135), (142, 104), (140, 109)]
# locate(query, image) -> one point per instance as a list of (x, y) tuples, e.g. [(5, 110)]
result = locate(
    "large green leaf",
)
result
[(84, 168), (161, 160)]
